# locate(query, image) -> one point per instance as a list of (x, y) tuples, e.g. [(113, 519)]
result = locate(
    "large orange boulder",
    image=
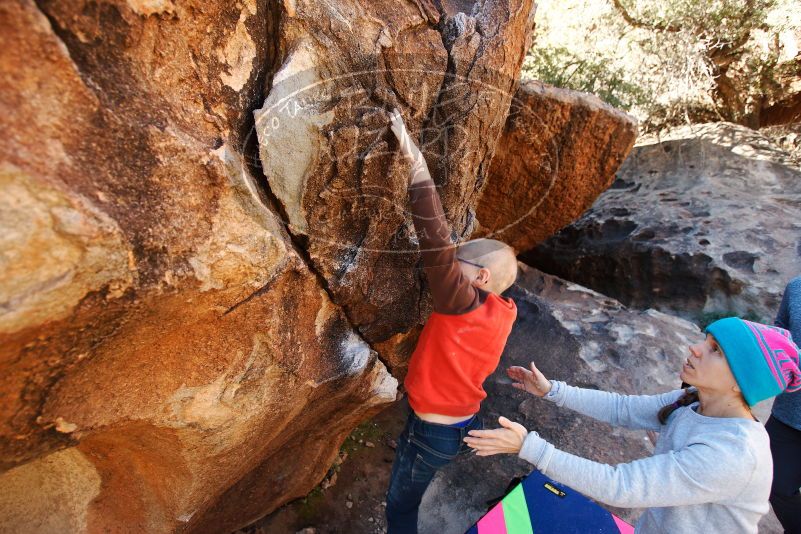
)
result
[(559, 150), (190, 304), (328, 155)]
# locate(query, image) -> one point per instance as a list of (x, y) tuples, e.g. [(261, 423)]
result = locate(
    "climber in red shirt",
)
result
[(459, 347)]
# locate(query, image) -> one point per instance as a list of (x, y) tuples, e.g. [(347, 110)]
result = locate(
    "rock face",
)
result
[(162, 338), (586, 339), (331, 161), (559, 150), (707, 220), (187, 330)]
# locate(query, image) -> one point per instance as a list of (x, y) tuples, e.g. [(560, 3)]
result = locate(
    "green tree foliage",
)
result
[(563, 68), (671, 61)]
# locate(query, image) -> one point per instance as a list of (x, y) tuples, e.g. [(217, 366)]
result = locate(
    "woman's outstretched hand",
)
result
[(532, 381), (506, 440)]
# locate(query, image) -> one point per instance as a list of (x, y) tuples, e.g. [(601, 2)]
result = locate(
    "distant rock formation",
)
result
[(706, 221)]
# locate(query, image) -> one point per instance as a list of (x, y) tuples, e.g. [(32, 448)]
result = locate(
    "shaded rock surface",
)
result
[(586, 339), (559, 150), (705, 221), (190, 299)]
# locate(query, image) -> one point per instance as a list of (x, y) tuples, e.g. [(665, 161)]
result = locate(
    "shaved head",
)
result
[(494, 255)]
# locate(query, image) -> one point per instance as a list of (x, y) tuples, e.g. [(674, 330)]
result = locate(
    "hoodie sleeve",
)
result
[(718, 466), (451, 291), (629, 411)]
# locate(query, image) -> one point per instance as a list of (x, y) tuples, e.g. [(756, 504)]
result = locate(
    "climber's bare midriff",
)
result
[(443, 419)]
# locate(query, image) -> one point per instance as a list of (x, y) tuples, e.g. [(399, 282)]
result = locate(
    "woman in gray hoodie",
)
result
[(711, 466)]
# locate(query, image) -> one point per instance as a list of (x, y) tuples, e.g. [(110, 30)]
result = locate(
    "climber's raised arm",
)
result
[(451, 291)]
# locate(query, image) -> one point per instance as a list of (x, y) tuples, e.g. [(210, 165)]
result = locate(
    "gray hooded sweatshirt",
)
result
[(707, 474)]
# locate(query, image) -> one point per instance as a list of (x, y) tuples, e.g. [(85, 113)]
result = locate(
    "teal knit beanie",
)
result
[(763, 359)]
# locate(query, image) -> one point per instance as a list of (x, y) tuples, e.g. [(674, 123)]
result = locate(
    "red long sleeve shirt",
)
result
[(462, 341)]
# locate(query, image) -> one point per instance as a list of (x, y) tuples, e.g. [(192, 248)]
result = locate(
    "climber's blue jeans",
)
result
[(423, 448)]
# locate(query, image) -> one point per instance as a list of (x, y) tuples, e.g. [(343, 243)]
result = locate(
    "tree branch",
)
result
[(637, 23)]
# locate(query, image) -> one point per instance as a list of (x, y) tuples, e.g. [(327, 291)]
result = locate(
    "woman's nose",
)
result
[(695, 350)]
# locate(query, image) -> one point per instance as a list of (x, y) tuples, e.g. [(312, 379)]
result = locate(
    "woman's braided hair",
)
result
[(690, 396)]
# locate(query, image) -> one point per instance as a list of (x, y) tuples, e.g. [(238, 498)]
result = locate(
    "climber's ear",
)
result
[(484, 275)]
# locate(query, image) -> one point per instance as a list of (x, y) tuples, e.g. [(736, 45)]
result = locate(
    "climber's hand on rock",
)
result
[(505, 440), (532, 381), (398, 127), (419, 171)]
